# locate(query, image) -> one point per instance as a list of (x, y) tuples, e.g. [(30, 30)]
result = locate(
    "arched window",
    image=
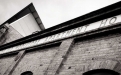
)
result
[(101, 72), (27, 73)]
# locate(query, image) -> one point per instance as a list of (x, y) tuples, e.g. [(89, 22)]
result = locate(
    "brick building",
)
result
[(87, 45)]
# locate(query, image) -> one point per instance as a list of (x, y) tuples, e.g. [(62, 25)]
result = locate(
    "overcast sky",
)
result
[(52, 12)]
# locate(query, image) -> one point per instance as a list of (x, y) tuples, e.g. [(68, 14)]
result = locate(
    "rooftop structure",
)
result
[(25, 22)]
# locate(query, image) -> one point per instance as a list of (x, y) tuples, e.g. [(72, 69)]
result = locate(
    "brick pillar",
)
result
[(59, 57), (15, 63)]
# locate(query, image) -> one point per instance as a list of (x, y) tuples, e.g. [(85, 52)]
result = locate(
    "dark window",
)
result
[(27, 73), (101, 72)]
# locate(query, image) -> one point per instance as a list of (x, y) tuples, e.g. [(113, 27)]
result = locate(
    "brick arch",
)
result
[(101, 72), (104, 64)]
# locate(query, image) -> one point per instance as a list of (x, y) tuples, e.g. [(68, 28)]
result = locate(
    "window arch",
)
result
[(101, 72), (27, 73)]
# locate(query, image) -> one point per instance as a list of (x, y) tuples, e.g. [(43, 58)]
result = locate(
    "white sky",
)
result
[(53, 12)]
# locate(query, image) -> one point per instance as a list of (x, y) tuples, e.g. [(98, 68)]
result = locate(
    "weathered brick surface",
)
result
[(5, 62), (94, 53), (13, 65), (36, 61), (85, 54), (59, 57)]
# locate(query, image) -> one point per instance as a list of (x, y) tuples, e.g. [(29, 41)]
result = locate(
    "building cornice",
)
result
[(103, 13)]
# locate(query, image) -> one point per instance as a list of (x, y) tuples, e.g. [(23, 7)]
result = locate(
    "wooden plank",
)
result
[(59, 57), (15, 63)]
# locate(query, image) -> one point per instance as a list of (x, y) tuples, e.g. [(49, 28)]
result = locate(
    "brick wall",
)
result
[(9, 36), (93, 53), (36, 61), (96, 52), (5, 62)]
